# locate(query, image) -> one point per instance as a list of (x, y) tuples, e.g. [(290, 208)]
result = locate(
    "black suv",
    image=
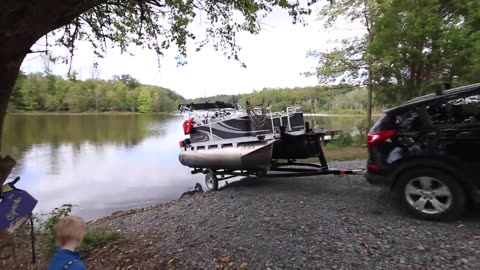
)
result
[(427, 151)]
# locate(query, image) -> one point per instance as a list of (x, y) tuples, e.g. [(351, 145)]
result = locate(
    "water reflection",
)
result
[(105, 163), (101, 163)]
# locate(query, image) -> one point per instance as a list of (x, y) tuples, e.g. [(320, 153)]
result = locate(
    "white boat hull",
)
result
[(248, 155)]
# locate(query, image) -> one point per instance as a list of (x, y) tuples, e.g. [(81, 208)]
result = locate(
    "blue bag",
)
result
[(16, 206)]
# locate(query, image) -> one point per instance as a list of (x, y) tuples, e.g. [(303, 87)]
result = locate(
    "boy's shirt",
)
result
[(66, 260)]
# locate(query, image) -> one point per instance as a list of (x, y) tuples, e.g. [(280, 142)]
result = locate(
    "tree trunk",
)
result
[(368, 11), (9, 69), (370, 97)]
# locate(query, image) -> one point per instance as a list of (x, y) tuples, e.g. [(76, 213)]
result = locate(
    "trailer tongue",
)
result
[(227, 140)]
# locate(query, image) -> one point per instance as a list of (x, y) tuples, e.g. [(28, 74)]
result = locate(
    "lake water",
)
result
[(106, 163)]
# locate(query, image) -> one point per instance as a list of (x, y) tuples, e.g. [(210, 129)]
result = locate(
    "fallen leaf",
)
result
[(225, 258), (243, 266)]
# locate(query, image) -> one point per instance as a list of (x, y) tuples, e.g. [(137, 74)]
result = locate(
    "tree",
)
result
[(438, 40), (131, 82), (29, 90), (132, 97), (17, 98), (55, 100), (53, 93), (145, 100), (153, 24), (79, 99), (349, 63)]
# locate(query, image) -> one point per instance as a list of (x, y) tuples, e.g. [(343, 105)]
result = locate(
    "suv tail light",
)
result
[(376, 138)]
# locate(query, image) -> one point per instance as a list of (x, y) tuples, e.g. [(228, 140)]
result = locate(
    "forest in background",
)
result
[(314, 99), (47, 92)]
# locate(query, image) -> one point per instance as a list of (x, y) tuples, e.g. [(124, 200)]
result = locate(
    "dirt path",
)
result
[(306, 223)]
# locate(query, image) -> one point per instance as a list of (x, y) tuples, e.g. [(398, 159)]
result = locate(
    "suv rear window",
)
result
[(408, 121), (384, 123), (464, 110)]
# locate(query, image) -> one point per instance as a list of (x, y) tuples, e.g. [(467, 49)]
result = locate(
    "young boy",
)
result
[(69, 232)]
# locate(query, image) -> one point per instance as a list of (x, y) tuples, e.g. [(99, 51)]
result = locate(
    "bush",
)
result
[(94, 236), (98, 237), (360, 139), (344, 139), (19, 252), (47, 227)]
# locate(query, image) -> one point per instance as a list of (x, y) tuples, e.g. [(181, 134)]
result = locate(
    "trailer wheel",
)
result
[(211, 181)]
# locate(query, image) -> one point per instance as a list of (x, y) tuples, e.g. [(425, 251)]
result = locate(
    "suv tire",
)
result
[(430, 194)]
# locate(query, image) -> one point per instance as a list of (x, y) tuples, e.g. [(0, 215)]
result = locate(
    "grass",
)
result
[(17, 255), (342, 153), (97, 237), (334, 152), (347, 147)]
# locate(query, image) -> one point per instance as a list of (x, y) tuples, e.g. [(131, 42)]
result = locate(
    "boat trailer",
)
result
[(254, 142), (285, 165), (277, 170)]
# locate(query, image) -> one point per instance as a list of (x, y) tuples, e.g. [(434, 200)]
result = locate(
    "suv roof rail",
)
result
[(443, 89)]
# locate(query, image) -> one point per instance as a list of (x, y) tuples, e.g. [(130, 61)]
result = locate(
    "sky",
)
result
[(274, 58)]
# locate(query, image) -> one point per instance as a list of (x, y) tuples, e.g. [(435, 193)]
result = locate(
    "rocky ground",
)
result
[(324, 222)]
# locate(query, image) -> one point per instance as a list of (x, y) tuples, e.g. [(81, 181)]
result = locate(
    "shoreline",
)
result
[(322, 222), (325, 222), (340, 154)]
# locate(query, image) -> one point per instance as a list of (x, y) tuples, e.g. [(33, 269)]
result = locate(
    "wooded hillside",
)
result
[(40, 92), (315, 99)]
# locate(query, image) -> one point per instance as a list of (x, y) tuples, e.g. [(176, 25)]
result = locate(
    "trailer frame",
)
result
[(278, 169)]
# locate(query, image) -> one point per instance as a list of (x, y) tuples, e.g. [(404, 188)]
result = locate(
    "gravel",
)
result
[(324, 222)]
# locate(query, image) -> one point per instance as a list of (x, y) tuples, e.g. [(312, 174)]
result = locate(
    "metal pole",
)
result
[(288, 119), (211, 133), (32, 238), (271, 118)]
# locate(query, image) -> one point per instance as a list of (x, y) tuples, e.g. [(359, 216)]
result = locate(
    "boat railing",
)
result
[(222, 118), (292, 109), (271, 118), (287, 111), (220, 114)]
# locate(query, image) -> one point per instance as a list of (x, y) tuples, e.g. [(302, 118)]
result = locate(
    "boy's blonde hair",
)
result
[(70, 228)]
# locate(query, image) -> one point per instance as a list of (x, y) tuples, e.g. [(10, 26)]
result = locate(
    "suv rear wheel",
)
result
[(430, 194)]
